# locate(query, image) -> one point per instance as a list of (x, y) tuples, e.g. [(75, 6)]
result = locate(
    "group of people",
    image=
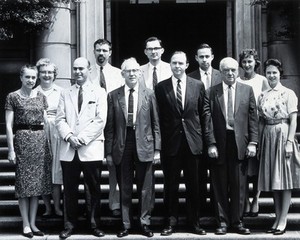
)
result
[(238, 127)]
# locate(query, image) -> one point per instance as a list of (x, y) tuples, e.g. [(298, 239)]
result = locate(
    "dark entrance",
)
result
[(180, 26)]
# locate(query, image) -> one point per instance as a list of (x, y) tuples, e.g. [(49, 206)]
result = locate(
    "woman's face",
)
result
[(46, 75), (273, 75), (248, 64), (28, 78)]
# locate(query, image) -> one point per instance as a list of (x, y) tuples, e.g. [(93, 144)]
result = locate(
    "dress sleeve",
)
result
[(9, 105), (292, 102)]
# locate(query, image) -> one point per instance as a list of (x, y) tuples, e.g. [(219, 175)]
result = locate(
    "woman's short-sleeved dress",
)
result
[(33, 159), (277, 172)]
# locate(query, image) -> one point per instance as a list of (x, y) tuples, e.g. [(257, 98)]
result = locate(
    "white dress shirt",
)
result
[(183, 87), (135, 100), (207, 83), (225, 92)]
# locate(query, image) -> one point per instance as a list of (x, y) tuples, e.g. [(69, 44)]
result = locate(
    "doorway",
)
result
[(180, 26)]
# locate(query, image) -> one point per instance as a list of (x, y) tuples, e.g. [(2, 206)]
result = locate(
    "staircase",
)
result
[(10, 216)]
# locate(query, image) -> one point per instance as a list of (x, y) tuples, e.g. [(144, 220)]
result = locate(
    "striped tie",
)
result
[(130, 108), (154, 77), (179, 96)]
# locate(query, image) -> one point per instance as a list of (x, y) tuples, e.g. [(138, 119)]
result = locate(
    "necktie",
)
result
[(179, 96), (80, 98), (154, 77), (102, 79), (207, 82), (230, 107), (130, 108)]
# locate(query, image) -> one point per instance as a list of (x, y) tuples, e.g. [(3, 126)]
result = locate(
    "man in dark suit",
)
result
[(80, 120), (133, 142), (185, 120), (234, 115), (210, 77)]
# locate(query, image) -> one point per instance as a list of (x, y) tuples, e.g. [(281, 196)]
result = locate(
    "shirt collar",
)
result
[(276, 88), (182, 79), (127, 89), (225, 86), (209, 71)]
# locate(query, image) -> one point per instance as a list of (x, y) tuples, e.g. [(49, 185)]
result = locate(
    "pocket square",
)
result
[(91, 102)]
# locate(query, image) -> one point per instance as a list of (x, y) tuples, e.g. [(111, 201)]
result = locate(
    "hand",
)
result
[(75, 143), (109, 160), (288, 149), (156, 159), (251, 150), (213, 151), (12, 157)]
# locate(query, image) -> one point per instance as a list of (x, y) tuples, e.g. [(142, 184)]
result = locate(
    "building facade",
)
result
[(227, 25)]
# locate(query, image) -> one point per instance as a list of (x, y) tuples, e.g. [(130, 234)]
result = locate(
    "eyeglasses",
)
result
[(47, 72), (132, 70), (153, 49)]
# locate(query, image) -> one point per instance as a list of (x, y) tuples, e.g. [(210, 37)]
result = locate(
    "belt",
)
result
[(28, 127), (276, 121)]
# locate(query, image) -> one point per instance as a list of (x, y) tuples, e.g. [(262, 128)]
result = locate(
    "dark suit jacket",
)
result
[(195, 120), (147, 131), (245, 119), (215, 76)]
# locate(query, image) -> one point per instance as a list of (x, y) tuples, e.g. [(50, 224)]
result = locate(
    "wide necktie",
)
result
[(154, 77), (179, 96), (80, 98), (130, 108), (102, 79), (230, 107)]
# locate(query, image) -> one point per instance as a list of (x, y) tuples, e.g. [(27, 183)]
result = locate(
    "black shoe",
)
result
[(221, 231), (66, 233), (28, 235), (169, 230), (199, 231), (38, 233), (279, 232), (271, 230), (242, 230), (123, 233), (146, 231), (116, 213), (97, 232), (253, 214), (246, 214)]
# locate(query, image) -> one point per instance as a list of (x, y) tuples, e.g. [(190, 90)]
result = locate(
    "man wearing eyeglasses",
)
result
[(132, 143), (155, 70)]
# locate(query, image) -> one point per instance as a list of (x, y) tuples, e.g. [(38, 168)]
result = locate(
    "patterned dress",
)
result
[(33, 159), (52, 96), (277, 172)]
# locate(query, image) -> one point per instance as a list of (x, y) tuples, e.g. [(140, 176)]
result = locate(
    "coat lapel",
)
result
[(171, 94), (238, 96), (122, 101), (220, 97), (74, 98)]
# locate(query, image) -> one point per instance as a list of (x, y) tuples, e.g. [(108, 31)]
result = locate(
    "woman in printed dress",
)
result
[(249, 62), (278, 150), (25, 115), (47, 72)]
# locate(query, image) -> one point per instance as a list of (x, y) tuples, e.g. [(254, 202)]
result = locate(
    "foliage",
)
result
[(27, 15)]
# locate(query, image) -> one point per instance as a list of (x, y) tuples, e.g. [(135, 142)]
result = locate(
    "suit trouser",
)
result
[(114, 194), (129, 168), (71, 178), (172, 167), (229, 182)]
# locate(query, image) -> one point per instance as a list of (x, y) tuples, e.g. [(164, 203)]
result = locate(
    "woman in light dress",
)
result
[(47, 72), (278, 151), (249, 62)]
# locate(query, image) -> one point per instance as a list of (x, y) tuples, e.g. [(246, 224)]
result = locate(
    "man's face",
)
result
[(131, 73), (229, 71), (80, 70), (102, 54), (154, 50), (178, 64), (204, 58)]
